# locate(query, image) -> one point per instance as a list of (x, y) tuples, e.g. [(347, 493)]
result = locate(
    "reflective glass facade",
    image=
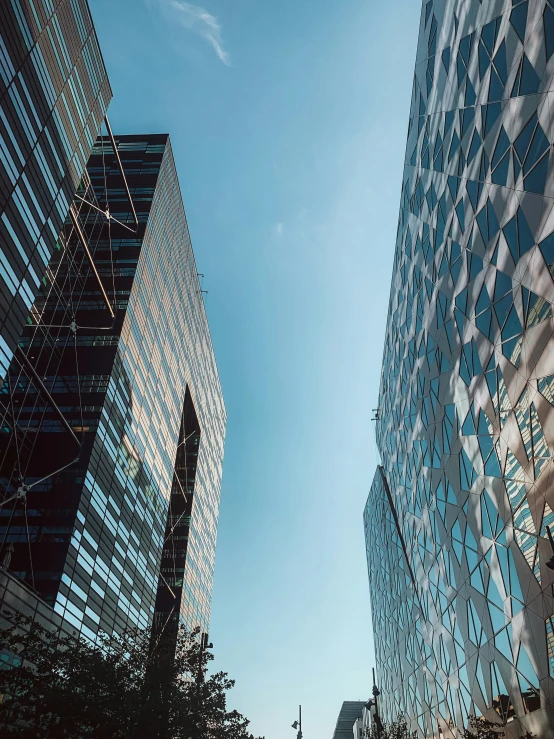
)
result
[(130, 527), (54, 93), (455, 522)]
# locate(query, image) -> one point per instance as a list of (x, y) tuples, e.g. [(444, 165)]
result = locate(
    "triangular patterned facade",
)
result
[(465, 626)]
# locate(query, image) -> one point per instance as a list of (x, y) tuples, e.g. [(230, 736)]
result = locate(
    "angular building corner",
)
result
[(54, 94), (125, 535), (113, 420), (456, 519)]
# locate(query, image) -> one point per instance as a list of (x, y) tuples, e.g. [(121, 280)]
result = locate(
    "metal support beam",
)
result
[(116, 152), (23, 360), (23, 488), (84, 244)]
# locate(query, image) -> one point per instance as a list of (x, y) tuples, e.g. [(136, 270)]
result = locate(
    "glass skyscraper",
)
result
[(113, 445), (456, 520), (54, 93)]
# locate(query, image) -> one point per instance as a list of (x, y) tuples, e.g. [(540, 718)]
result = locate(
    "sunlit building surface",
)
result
[(456, 520), (114, 454), (54, 93)]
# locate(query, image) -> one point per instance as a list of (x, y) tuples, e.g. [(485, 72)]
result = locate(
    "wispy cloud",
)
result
[(201, 22), (277, 230)]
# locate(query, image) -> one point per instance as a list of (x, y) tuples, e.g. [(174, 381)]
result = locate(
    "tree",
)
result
[(394, 730), (479, 728), (125, 687), (482, 728)]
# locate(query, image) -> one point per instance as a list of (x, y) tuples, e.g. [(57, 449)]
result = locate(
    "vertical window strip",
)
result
[(29, 100), (54, 48), (82, 160), (95, 81), (49, 6), (53, 230), (83, 98), (15, 239), (75, 167), (54, 150), (79, 20), (26, 294), (70, 116), (13, 94), (35, 14), (62, 205), (44, 74), (77, 101), (61, 42), (6, 355), (23, 26), (8, 162), (26, 213), (8, 275), (62, 132), (46, 171), (33, 274), (86, 14), (103, 104), (96, 56), (88, 136), (6, 67), (90, 71), (12, 137), (32, 195), (43, 251), (17, 243)]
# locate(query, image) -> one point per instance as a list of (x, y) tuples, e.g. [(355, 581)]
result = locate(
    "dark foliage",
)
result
[(394, 730), (126, 687), (481, 728)]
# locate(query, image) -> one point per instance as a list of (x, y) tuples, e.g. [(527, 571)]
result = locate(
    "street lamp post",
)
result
[(373, 703), (298, 724)]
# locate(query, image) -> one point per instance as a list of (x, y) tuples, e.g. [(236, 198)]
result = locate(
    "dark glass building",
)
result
[(459, 559), (54, 93), (113, 417)]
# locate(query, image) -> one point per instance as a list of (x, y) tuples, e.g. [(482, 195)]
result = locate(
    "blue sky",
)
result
[(288, 121)]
